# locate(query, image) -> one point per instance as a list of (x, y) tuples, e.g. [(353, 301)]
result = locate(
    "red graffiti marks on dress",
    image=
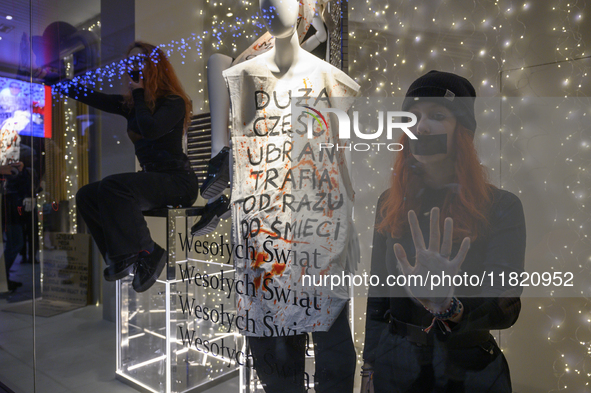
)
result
[(334, 180), (278, 269), (263, 230), (259, 259), (325, 271), (254, 174)]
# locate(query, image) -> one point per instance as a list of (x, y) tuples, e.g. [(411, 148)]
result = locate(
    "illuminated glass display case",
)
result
[(176, 337)]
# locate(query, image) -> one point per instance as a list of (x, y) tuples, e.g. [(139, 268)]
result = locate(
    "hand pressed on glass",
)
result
[(431, 261)]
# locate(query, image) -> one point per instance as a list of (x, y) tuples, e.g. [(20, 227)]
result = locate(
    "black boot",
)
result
[(210, 219), (218, 175), (148, 268), (13, 285), (117, 270)]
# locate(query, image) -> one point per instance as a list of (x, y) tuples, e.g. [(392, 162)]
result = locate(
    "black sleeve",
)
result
[(112, 103), (499, 307), (375, 321), (165, 117)]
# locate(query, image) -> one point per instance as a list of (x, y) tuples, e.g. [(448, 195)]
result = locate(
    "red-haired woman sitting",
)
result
[(158, 111)]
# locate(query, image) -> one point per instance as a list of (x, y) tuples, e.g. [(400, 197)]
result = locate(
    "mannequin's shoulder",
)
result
[(338, 76), (342, 77), (249, 67)]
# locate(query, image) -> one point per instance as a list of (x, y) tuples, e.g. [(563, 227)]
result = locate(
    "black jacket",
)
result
[(487, 307), (157, 137)]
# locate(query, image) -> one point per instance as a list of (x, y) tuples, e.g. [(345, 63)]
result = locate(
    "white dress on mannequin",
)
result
[(291, 202)]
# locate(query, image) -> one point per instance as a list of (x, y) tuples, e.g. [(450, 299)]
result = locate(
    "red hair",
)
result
[(159, 79), (468, 207)]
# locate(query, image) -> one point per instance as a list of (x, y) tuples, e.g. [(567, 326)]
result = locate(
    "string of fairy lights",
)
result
[(71, 176), (504, 49)]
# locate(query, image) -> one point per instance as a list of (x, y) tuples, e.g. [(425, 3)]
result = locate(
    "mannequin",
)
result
[(219, 102), (218, 93), (286, 58), (272, 216)]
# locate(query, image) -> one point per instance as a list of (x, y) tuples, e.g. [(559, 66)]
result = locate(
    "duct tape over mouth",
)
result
[(428, 145)]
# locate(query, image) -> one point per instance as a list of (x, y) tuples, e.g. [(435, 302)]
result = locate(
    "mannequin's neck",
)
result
[(287, 52)]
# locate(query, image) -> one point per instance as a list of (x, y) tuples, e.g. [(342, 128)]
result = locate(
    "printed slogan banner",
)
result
[(65, 268), (65, 275)]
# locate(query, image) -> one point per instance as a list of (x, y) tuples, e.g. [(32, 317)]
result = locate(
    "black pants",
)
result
[(280, 361), (403, 367), (14, 226), (112, 208), (30, 240)]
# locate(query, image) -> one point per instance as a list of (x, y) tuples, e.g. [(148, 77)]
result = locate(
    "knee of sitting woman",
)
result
[(85, 193), (110, 183)]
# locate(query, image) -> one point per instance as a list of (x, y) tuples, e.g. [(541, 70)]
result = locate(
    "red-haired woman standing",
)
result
[(158, 111), (423, 339)]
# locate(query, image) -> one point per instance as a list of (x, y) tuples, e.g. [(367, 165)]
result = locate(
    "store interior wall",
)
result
[(32, 17)]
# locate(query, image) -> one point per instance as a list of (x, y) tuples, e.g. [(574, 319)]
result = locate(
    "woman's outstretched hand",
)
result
[(433, 263)]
